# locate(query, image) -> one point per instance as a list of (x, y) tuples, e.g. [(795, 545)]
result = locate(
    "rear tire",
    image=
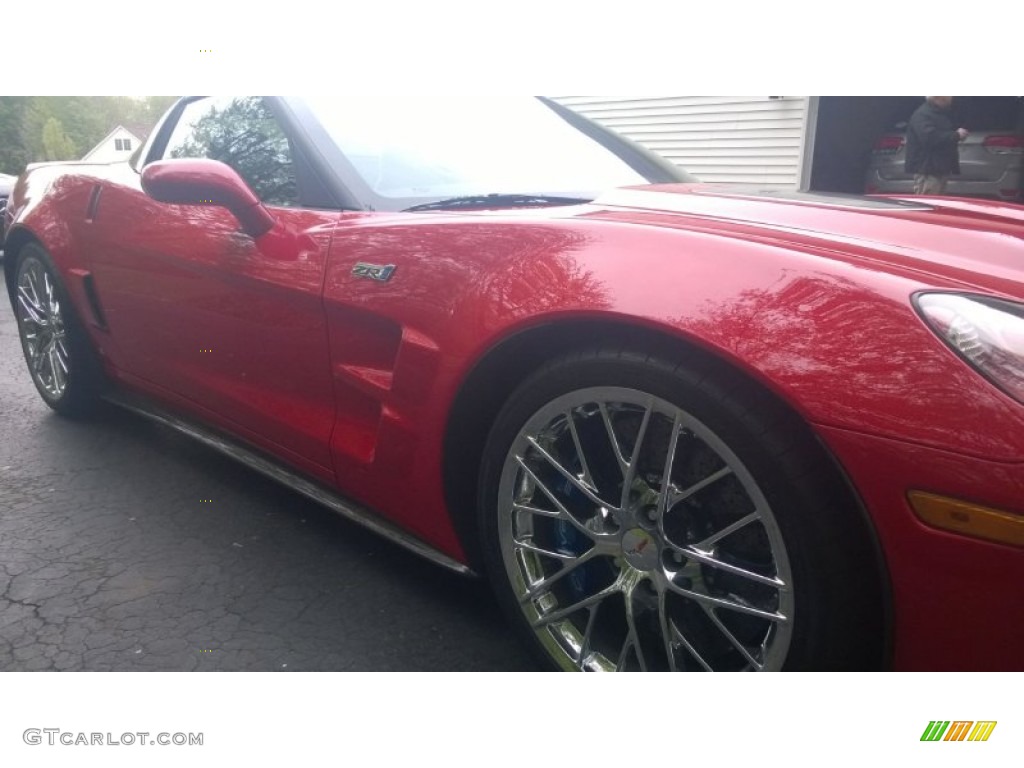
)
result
[(732, 547), (61, 360)]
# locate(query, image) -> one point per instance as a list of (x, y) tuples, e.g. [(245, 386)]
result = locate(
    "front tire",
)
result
[(60, 357), (641, 515)]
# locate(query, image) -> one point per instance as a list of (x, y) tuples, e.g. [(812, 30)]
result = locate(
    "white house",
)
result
[(117, 145)]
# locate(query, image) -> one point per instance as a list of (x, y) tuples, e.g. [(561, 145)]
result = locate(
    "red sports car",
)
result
[(679, 427)]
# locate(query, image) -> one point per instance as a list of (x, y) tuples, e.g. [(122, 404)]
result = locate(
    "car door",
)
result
[(228, 325)]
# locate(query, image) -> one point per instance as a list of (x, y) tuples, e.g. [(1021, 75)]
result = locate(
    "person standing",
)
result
[(933, 152)]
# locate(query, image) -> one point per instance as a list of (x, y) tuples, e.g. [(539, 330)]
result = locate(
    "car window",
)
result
[(430, 145), (243, 133)]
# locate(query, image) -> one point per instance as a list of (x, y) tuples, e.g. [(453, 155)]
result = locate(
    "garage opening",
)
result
[(856, 134)]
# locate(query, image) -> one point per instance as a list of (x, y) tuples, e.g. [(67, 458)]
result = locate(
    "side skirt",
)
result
[(276, 471)]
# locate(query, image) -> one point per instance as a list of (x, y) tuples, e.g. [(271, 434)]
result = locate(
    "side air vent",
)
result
[(94, 203), (94, 302)]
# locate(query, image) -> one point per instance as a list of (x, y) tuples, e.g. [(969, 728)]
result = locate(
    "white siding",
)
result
[(750, 139)]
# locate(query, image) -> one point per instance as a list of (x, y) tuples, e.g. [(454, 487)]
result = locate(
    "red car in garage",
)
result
[(678, 427)]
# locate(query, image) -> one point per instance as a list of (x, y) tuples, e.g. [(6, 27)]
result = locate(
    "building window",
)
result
[(123, 145)]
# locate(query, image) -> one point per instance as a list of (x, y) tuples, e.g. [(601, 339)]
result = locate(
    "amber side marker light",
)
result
[(968, 519)]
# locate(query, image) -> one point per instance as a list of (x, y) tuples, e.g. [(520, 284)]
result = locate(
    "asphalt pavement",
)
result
[(126, 546)]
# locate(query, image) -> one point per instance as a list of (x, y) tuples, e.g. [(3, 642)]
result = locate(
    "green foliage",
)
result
[(56, 144), (13, 153), (245, 135), (80, 122), (154, 107)]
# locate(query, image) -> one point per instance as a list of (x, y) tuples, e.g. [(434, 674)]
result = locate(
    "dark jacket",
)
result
[(932, 142)]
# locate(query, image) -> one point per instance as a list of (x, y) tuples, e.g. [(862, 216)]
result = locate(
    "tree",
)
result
[(83, 122), (56, 144), (152, 108), (244, 134), (13, 153)]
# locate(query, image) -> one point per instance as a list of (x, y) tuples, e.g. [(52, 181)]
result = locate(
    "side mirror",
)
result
[(207, 182)]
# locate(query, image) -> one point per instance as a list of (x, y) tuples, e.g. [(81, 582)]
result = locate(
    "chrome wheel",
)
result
[(41, 323), (634, 538)]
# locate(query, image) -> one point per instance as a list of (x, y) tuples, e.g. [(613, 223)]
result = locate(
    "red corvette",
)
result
[(679, 427)]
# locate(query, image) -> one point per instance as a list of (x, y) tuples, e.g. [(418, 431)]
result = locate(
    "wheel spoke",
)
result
[(681, 639), (40, 359), (55, 369), (579, 605), (587, 477), (563, 513), (34, 314), (588, 633), (634, 459), (557, 515), (666, 474), (757, 665), (723, 603), (671, 636), (580, 485), (714, 562), (666, 631), (620, 664), (62, 352), (676, 496), (31, 284), (531, 547), (51, 303), (708, 544), (536, 590), (632, 637), (616, 448)]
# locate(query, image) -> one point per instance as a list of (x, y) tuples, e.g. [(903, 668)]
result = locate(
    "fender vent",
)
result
[(94, 204), (99, 320)]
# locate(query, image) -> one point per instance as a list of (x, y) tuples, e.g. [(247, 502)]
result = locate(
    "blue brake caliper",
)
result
[(571, 542)]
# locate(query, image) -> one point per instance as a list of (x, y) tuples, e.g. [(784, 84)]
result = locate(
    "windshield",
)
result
[(406, 150)]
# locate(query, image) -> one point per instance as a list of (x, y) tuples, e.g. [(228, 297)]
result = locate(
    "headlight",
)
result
[(987, 333)]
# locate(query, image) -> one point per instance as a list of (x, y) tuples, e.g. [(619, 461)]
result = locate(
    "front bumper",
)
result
[(956, 600)]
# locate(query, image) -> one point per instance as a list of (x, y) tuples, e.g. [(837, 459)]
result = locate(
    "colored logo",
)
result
[(380, 272), (639, 549), (958, 730)]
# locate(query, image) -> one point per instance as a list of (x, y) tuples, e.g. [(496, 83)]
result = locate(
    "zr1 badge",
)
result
[(374, 271)]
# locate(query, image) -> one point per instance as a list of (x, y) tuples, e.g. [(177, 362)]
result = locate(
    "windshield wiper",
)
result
[(497, 201)]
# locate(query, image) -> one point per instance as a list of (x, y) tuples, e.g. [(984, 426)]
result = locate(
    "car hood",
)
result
[(972, 244)]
